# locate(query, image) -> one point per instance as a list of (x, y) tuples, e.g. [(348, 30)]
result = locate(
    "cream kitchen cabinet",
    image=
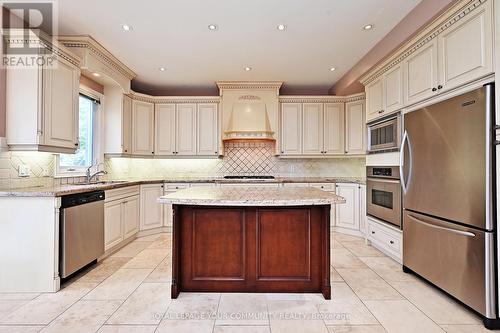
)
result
[(165, 129), (385, 94), (117, 122), (142, 128), (355, 128), (291, 129), (207, 138), (167, 208), (362, 208), (374, 99), (334, 128), (348, 215), (121, 215), (421, 73), (186, 129), (465, 50), (151, 210), (42, 107), (312, 128)]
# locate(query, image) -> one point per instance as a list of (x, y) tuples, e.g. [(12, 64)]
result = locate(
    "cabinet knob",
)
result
[(152, 152), (440, 87), (434, 89), (373, 232), (282, 152), (216, 152), (381, 111), (392, 242), (126, 150), (77, 144)]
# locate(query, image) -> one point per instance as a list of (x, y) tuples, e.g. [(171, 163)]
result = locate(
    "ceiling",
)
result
[(174, 34)]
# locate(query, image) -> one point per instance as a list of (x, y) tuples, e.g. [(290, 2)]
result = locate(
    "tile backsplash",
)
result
[(241, 158)]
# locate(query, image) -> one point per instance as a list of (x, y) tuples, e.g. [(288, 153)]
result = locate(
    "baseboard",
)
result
[(349, 232), (153, 231), (3, 144)]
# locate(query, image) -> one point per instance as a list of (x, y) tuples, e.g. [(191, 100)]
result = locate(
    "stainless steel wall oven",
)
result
[(383, 191)]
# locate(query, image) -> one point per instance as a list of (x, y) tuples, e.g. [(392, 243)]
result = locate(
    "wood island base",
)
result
[(251, 249)]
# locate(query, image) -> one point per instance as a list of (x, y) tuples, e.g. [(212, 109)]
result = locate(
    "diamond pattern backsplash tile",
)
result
[(241, 158)]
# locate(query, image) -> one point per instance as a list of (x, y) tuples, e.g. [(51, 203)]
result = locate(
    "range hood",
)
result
[(249, 120)]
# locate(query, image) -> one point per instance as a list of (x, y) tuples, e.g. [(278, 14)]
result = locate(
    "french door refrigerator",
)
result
[(447, 175)]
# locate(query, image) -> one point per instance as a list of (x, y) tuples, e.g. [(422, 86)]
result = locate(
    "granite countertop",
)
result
[(57, 191), (251, 196)]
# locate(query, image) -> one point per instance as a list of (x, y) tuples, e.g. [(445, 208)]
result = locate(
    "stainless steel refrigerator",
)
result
[(447, 174)]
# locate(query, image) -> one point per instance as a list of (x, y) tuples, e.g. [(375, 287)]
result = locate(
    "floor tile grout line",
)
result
[(216, 312)]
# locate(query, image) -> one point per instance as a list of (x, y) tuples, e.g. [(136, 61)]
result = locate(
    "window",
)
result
[(85, 156)]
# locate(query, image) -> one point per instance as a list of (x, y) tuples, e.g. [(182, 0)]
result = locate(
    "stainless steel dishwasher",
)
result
[(82, 231)]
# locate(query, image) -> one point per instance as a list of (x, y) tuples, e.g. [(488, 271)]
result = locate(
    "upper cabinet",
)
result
[(452, 51), (186, 129), (208, 133), (142, 128), (321, 126), (165, 125), (42, 106), (117, 122), (355, 134)]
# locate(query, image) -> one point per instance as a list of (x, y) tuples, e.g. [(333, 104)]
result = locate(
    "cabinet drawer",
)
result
[(120, 193), (385, 238), (296, 184), (324, 186), (173, 187)]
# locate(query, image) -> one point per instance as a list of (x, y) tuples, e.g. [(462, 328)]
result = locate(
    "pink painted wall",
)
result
[(422, 14)]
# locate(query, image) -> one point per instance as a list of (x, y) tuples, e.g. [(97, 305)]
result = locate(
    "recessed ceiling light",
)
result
[(332, 69), (96, 74), (126, 27), (281, 27), (248, 69), (368, 27), (161, 69), (213, 27)]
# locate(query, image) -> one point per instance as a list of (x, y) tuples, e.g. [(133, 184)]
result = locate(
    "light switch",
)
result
[(23, 171)]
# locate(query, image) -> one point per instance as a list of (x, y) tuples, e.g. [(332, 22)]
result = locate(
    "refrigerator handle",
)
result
[(459, 232), (401, 161)]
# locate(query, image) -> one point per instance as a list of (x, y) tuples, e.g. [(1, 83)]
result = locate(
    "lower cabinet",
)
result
[(386, 238), (121, 215), (167, 209), (348, 215), (151, 210)]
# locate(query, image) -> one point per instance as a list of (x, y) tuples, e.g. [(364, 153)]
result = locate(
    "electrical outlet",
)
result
[(23, 171), (46, 172)]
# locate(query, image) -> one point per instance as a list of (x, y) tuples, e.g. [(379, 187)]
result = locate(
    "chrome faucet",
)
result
[(91, 176)]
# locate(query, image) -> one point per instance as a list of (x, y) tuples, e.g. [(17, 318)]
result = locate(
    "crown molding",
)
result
[(173, 99), (96, 49), (254, 85), (456, 13), (18, 37), (321, 99)]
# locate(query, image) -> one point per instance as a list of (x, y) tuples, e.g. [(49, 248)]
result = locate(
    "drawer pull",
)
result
[(392, 242), (373, 232), (458, 232)]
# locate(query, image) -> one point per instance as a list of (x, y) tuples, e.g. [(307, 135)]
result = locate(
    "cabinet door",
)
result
[(333, 129), (420, 74), (165, 129), (113, 228), (207, 130), (375, 99), (142, 128), (355, 128), (466, 49), (151, 211), (312, 129), (362, 208), (131, 216), (60, 105), (127, 125), (291, 129), (186, 129), (393, 91), (347, 215)]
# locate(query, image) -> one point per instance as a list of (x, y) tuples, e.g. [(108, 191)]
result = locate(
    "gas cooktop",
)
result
[(248, 177)]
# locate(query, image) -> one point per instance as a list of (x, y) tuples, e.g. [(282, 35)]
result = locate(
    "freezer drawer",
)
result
[(457, 259)]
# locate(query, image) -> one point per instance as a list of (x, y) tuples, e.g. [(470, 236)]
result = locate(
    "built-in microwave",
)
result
[(384, 135)]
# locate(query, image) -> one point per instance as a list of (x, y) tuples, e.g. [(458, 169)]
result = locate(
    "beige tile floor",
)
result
[(130, 292)]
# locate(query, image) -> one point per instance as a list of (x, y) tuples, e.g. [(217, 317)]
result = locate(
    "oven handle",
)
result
[(382, 180), (459, 232), (404, 183)]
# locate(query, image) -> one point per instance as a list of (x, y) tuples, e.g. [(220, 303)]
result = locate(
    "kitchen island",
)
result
[(235, 239)]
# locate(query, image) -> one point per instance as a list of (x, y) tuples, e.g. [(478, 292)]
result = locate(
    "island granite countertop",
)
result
[(61, 190), (251, 196)]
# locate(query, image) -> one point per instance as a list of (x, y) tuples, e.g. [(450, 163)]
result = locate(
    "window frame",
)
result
[(97, 158)]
